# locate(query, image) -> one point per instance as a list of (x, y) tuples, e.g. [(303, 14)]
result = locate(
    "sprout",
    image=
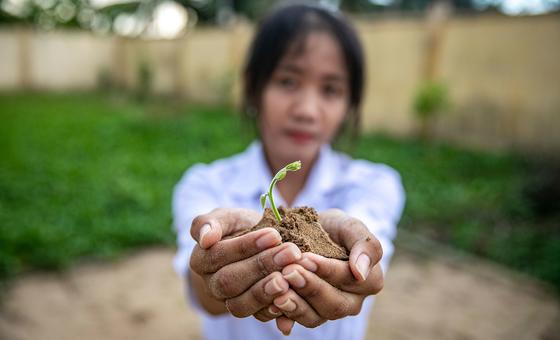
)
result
[(278, 177)]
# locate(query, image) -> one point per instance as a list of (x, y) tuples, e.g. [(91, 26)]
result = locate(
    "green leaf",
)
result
[(280, 175), (293, 166), (263, 200)]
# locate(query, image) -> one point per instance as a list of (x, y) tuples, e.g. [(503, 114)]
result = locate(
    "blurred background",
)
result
[(105, 103)]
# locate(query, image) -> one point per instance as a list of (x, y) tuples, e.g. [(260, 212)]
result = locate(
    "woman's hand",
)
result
[(324, 289), (242, 273)]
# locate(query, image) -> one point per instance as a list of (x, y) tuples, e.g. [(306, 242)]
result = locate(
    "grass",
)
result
[(87, 176), (84, 176), (474, 201)]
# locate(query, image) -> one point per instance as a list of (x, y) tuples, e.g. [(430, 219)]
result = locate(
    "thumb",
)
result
[(209, 235), (365, 254), (207, 229)]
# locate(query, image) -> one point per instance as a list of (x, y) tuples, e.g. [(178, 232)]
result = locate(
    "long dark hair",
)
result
[(289, 25)]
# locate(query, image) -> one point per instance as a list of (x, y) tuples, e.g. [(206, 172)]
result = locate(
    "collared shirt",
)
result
[(368, 191)]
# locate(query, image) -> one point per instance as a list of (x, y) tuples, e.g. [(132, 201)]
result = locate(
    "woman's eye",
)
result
[(331, 90), (287, 82)]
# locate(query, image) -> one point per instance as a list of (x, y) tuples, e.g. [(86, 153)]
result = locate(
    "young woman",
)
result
[(303, 86)]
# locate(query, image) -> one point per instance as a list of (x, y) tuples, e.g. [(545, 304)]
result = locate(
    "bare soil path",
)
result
[(439, 296)]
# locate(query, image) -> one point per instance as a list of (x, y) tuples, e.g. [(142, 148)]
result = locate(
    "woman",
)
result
[(303, 85)]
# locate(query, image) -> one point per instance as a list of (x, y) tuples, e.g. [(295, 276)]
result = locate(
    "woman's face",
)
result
[(305, 100)]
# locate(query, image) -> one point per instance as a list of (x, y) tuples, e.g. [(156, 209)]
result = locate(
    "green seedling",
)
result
[(278, 177)]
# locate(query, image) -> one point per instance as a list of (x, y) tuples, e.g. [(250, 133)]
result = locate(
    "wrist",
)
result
[(210, 304)]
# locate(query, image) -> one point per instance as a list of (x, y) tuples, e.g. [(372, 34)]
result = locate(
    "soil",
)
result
[(300, 225), (439, 297)]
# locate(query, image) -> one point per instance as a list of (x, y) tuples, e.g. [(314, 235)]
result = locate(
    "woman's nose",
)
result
[(307, 106)]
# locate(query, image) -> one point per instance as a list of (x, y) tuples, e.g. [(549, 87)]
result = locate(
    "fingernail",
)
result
[(288, 255), (295, 279), (308, 264), (268, 239), (203, 232), (274, 311), (362, 263), (287, 306), (273, 287)]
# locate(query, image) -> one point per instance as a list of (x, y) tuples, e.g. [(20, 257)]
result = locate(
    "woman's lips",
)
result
[(300, 137)]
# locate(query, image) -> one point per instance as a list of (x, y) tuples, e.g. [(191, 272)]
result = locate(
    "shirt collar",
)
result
[(323, 175), (253, 176)]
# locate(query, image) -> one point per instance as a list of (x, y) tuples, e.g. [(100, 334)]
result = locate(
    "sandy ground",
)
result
[(442, 296)]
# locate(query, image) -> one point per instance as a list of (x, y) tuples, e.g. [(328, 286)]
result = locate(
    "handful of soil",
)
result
[(301, 226)]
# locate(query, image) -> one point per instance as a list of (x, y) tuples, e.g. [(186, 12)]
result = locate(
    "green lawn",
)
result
[(90, 176)]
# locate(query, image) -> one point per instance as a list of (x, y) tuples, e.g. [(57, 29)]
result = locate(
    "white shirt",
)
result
[(370, 192)]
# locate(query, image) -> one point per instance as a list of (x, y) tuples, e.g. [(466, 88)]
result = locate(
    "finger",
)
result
[(224, 252), (237, 277), (268, 313), (339, 274), (296, 308), (365, 249), (364, 255), (285, 325), (208, 229), (259, 296), (328, 301)]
